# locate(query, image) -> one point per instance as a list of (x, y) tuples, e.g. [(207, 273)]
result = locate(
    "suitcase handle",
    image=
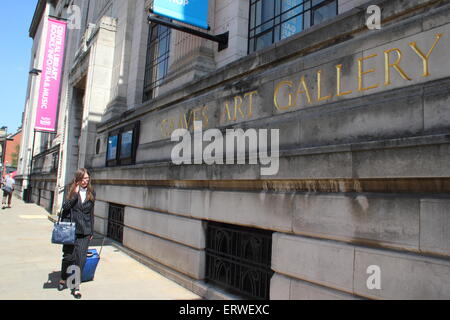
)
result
[(101, 248)]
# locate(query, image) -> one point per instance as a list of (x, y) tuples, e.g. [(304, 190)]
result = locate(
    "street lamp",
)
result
[(27, 195)]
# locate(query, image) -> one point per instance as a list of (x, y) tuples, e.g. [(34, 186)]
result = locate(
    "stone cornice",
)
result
[(37, 17), (38, 12), (409, 186)]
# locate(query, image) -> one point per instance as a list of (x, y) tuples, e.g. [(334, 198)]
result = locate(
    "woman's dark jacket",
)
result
[(82, 214)]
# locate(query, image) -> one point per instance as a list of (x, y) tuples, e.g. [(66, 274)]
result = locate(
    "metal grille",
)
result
[(115, 222), (157, 63), (273, 20), (238, 259)]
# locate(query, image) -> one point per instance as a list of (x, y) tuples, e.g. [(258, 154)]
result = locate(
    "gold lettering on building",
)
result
[(275, 95), (361, 73), (240, 103), (164, 131), (167, 126), (205, 116), (184, 123), (250, 102), (196, 114), (289, 94), (425, 58), (319, 88), (339, 92), (292, 100), (304, 91), (388, 65), (227, 111), (237, 106)]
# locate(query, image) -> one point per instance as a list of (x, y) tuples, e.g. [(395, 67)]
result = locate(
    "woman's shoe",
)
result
[(61, 285), (76, 293)]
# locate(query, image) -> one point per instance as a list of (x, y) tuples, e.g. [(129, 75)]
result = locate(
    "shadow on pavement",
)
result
[(55, 276), (98, 240), (53, 279)]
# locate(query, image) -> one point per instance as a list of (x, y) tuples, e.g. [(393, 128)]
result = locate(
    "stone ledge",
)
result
[(400, 142), (283, 287), (340, 161)]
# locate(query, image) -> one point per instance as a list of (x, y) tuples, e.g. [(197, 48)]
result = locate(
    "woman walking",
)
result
[(79, 207), (8, 189)]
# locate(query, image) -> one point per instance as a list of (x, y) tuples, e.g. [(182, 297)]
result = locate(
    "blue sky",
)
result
[(15, 56)]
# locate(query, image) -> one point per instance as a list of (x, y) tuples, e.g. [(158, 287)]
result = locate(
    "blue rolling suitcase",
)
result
[(91, 264)]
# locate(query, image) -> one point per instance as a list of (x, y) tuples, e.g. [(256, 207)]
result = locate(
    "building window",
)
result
[(112, 147), (52, 199), (238, 259), (122, 145), (55, 160), (97, 147), (274, 20), (157, 60)]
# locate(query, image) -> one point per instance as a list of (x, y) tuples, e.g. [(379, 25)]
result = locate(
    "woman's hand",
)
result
[(77, 188), (91, 237)]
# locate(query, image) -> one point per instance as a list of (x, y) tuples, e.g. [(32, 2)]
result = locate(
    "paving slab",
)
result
[(30, 265)]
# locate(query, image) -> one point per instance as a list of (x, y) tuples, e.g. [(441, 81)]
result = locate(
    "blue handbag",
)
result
[(64, 232)]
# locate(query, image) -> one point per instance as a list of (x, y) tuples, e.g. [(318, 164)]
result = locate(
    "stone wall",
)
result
[(364, 169)]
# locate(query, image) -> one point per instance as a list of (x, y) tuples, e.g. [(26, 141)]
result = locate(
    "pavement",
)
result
[(30, 265)]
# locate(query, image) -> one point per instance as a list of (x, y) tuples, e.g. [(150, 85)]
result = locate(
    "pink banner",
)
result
[(51, 76)]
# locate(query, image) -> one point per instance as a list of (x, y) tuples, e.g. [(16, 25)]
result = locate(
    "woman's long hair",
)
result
[(78, 178)]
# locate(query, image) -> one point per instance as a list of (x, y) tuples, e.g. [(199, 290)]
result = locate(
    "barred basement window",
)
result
[(115, 222), (274, 20), (238, 259)]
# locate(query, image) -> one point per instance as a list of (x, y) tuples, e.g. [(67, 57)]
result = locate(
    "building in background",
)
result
[(359, 207), (3, 142), (12, 150)]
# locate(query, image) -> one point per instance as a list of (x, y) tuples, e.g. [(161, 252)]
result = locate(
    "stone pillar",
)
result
[(98, 84), (138, 56), (122, 57), (225, 19)]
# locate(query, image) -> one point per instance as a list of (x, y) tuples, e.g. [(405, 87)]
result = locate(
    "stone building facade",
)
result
[(359, 207)]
